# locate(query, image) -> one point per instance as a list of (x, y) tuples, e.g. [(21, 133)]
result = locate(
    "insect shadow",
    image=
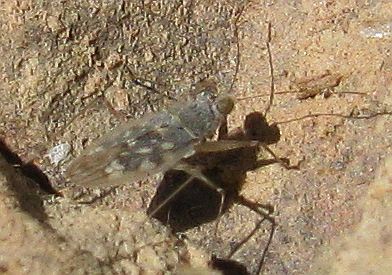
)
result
[(198, 203)]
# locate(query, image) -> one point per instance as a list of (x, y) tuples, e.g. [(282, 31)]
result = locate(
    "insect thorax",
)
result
[(203, 116)]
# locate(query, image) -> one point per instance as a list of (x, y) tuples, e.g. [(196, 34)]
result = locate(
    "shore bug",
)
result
[(159, 142)]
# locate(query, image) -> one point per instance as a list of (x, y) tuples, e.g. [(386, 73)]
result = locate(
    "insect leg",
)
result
[(280, 161), (265, 212), (223, 131), (196, 172), (226, 145), (95, 102), (171, 196)]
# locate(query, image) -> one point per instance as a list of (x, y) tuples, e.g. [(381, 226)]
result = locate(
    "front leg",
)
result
[(226, 145), (223, 131)]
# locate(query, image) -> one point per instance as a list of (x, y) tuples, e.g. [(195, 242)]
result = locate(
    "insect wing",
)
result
[(133, 151)]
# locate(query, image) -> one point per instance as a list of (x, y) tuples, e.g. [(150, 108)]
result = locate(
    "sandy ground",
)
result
[(332, 71)]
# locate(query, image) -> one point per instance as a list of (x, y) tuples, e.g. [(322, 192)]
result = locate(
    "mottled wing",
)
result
[(133, 151)]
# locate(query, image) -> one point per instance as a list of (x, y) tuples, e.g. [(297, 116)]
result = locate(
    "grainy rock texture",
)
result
[(62, 63), (366, 249)]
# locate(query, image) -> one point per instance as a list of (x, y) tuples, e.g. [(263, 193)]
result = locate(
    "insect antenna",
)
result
[(272, 81)]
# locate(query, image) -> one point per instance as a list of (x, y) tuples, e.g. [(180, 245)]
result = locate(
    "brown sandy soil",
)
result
[(328, 57)]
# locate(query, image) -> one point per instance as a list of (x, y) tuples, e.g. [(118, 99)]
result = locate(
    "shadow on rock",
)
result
[(197, 203)]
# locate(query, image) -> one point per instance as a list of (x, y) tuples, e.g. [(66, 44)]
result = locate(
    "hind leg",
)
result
[(226, 145)]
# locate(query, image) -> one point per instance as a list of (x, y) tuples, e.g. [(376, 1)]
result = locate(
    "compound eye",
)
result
[(225, 104)]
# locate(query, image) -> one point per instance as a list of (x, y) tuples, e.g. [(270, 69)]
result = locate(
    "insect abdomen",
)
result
[(134, 151)]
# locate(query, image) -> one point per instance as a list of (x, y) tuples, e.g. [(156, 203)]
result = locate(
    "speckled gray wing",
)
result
[(133, 151)]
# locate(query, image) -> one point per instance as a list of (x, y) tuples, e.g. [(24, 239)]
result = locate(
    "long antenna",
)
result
[(272, 84)]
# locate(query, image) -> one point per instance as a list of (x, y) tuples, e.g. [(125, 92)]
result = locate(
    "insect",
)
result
[(158, 142), (197, 204)]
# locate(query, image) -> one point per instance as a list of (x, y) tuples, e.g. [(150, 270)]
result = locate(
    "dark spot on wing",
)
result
[(148, 146)]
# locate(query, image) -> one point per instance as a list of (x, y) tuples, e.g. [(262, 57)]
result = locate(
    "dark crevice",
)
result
[(29, 170)]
